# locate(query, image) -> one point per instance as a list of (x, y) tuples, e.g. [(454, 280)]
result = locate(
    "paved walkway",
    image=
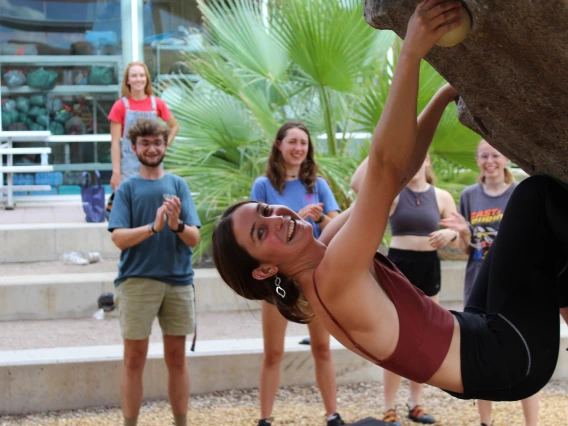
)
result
[(245, 324)]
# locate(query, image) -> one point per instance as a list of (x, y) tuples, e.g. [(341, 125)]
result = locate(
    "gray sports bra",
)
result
[(416, 213)]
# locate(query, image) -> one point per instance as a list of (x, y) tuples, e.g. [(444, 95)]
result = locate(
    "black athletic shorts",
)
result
[(422, 268), (499, 363), (510, 330)]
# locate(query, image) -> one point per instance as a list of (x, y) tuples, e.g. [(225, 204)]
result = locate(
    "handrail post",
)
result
[(10, 177)]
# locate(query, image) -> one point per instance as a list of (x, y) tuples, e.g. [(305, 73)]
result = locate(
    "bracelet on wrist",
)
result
[(321, 219), (455, 236)]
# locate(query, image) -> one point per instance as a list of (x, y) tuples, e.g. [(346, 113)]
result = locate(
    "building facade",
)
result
[(61, 66)]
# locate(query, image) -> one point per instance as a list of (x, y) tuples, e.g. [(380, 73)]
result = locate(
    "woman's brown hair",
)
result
[(509, 177), (235, 266), (430, 175), (275, 168), (125, 89)]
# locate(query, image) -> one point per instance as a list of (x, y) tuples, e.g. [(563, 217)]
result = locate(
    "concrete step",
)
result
[(79, 377), (56, 296), (49, 241), (75, 295)]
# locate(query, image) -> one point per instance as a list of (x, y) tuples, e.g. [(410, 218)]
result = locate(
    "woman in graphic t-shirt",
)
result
[(137, 101), (481, 210)]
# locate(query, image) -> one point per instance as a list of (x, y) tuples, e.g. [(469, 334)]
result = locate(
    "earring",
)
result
[(279, 290)]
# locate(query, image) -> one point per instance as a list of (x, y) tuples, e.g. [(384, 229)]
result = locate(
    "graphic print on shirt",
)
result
[(483, 234), (309, 198)]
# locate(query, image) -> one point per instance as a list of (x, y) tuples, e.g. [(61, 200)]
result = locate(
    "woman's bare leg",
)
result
[(325, 369), (530, 409), (391, 383), (484, 408), (273, 331)]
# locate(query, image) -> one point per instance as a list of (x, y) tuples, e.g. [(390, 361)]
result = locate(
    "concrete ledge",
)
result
[(41, 242), (73, 378), (38, 297), (453, 277)]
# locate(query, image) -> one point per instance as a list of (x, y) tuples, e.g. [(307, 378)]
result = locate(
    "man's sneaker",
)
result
[(391, 418), (264, 422), (74, 258), (336, 421), (418, 415)]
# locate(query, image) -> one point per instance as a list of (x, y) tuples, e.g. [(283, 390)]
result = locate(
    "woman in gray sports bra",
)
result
[(416, 235)]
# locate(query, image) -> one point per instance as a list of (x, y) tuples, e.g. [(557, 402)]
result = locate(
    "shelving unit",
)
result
[(77, 89), (71, 157), (56, 60), (61, 61)]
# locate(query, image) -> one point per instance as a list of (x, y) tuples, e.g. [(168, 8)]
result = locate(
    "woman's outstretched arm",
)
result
[(427, 124), (393, 144)]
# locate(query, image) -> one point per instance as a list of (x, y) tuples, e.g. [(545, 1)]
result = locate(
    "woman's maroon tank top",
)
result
[(425, 328)]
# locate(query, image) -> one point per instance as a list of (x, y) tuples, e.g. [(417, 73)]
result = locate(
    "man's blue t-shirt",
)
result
[(295, 196), (163, 256)]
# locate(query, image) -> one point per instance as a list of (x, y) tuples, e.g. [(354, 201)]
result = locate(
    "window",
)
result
[(170, 28)]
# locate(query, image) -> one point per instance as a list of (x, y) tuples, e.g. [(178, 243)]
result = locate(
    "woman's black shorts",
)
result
[(499, 362), (422, 268)]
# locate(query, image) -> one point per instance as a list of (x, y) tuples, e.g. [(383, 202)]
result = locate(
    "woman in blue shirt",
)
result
[(291, 180)]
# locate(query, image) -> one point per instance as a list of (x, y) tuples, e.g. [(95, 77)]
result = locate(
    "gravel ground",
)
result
[(301, 406)]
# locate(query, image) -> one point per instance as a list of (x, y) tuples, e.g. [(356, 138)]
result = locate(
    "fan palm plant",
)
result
[(267, 62)]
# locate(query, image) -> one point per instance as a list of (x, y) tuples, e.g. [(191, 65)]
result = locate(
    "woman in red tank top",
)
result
[(342, 262), (504, 347), (414, 220)]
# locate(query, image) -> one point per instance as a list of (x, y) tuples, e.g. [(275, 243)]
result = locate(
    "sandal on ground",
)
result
[(419, 415), (391, 418)]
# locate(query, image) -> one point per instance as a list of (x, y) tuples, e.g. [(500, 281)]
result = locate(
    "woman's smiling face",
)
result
[(270, 233), (491, 162), (137, 78), (294, 147)]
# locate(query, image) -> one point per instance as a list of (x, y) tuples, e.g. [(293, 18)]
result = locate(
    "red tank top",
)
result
[(425, 328)]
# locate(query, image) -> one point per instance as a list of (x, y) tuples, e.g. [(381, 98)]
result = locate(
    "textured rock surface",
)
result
[(512, 74)]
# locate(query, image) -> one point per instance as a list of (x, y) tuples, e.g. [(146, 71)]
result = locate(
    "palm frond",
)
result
[(338, 172), (240, 35), (312, 60), (455, 142), (330, 54)]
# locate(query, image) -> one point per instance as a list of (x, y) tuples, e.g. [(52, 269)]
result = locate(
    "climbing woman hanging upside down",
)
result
[(503, 347)]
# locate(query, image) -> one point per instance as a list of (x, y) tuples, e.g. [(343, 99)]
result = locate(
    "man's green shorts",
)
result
[(140, 300)]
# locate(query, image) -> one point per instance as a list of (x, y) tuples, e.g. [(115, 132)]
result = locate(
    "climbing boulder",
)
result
[(511, 72)]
